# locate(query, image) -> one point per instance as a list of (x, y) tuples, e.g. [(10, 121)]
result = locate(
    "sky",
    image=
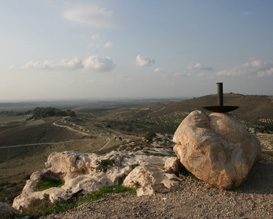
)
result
[(103, 49)]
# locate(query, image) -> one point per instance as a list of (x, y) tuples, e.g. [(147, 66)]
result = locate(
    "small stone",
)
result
[(173, 164)]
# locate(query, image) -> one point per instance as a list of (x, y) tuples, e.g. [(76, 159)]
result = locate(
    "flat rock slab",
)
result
[(88, 172)]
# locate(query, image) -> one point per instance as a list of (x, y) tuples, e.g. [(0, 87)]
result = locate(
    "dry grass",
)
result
[(266, 141)]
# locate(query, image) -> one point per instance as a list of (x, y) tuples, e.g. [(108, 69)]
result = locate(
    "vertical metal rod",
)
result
[(220, 94)]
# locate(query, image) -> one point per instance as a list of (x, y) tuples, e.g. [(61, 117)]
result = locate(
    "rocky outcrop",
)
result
[(216, 149), (88, 172), (159, 145)]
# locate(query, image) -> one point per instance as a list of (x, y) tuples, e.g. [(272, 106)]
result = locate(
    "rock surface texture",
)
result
[(216, 149), (87, 172)]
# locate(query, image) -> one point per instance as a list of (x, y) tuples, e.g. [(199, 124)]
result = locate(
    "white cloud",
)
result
[(73, 64), (94, 62), (90, 15), (171, 74), (158, 70), (97, 63), (108, 45), (256, 64), (255, 67), (11, 67), (143, 61), (198, 66), (96, 42), (38, 65)]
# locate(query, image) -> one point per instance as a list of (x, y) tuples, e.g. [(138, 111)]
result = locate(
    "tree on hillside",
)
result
[(43, 112)]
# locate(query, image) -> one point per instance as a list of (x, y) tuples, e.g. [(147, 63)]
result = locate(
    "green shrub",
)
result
[(47, 182), (149, 136), (43, 112), (133, 166), (104, 165), (265, 128), (103, 191)]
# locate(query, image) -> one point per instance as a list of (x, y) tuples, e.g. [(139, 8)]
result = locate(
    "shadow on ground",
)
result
[(259, 180)]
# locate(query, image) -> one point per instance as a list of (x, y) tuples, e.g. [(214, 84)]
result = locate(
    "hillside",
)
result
[(38, 131), (25, 144), (165, 116), (252, 109)]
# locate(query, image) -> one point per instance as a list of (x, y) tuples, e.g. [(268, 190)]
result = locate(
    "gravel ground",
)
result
[(190, 198)]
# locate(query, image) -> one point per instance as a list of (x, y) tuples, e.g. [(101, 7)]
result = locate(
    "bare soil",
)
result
[(34, 133), (190, 198)]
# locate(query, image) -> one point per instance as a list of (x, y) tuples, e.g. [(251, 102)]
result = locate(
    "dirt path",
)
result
[(148, 116), (108, 141), (189, 199), (70, 129), (83, 133)]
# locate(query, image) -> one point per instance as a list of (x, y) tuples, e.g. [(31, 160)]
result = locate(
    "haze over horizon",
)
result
[(131, 49)]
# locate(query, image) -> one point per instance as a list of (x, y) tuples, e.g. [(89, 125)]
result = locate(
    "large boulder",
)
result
[(88, 172), (216, 149)]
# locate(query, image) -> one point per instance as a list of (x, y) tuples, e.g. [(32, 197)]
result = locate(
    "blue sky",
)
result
[(132, 49)]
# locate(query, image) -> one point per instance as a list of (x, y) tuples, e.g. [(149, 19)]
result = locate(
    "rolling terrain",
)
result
[(104, 126), (164, 117), (253, 109)]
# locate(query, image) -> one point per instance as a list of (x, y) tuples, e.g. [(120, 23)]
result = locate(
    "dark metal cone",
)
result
[(220, 108)]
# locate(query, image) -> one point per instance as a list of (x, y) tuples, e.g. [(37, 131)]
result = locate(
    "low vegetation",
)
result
[(43, 112), (103, 165), (267, 128), (41, 207), (133, 166), (149, 136), (47, 182)]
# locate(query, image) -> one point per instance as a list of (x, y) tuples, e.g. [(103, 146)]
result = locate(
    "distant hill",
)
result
[(165, 116), (253, 108)]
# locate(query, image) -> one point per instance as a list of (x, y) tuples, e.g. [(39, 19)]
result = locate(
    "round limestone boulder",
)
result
[(216, 149)]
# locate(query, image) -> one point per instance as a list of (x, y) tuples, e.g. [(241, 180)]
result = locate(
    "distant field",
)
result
[(35, 122), (6, 119)]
